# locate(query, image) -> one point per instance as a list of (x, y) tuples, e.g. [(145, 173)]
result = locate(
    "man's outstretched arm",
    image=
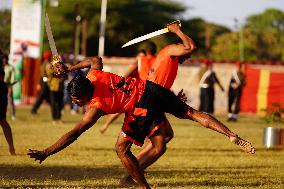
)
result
[(91, 62), (89, 119)]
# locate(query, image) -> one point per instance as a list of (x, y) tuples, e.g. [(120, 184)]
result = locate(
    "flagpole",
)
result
[(102, 28)]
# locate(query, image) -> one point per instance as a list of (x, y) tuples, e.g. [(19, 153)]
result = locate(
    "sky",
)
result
[(221, 12), (224, 12)]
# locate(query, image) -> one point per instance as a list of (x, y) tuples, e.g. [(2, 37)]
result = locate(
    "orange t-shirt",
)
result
[(144, 66), (113, 93), (164, 69)]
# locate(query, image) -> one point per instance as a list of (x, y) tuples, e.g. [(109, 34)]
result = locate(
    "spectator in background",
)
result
[(236, 85), (69, 60), (10, 80), (74, 108), (56, 85), (207, 91), (44, 89), (3, 109)]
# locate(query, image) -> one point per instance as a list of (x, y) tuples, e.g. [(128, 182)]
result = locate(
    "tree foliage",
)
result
[(127, 19), (263, 39), (5, 28), (268, 27)]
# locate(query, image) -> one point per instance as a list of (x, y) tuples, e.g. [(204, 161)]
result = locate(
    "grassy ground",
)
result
[(196, 158)]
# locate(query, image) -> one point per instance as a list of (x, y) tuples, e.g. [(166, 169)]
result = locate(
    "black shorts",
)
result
[(3, 100), (149, 112)]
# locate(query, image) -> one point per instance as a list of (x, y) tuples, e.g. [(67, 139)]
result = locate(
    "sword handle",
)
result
[(55, 59), (175, 22)]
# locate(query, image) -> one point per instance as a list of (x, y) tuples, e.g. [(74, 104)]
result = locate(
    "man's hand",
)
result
[(37, 155), (174, 27), (59, 69), (234, 85), (182, 96)]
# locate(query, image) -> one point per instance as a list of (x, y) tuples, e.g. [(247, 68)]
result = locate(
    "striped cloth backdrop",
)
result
[(263, 88)]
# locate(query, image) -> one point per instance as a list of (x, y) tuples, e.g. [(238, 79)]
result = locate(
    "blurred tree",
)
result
[(204, 34), (268, 27), (5, 27), (227, 46), (263, 39), (126, 19)]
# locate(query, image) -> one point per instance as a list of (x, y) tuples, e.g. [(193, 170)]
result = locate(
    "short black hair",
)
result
[(151, 47), (80, 86)]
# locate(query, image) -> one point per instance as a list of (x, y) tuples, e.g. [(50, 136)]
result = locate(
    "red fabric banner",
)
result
[(275, 90), (249, 96)]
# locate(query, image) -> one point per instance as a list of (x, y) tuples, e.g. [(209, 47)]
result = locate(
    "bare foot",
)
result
[(102, 130), (244, 145), (127, 181)]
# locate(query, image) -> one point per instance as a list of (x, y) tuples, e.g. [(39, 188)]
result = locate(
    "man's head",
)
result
[(47, 55), (151, 48), (240, 66), (183, 58), (80, 89), (208, 63), (5, 59)]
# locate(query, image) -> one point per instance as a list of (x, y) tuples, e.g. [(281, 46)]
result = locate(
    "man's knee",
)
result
[(160, 150), (169, 133), (169, 136)]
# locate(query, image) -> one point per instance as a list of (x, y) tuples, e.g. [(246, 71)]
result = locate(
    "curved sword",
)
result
[(150, 35)]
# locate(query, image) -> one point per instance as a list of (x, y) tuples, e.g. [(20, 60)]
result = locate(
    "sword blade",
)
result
[(50, 36), (144, 37)]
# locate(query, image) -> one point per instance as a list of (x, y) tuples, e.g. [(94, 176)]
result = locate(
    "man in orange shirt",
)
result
[(145, 103), (142, 66), (163, 72)]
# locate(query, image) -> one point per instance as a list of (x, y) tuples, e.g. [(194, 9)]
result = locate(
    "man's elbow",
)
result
[(190, 49)]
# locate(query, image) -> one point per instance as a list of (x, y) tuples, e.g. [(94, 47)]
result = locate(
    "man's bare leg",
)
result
[(130, 162), (210, 122), (151, 153), (111, 118), (8, 135), (146, 157)]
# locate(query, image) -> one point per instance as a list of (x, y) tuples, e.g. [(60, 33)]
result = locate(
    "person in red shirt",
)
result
[(145, 102), (163, 72), (142, 67)]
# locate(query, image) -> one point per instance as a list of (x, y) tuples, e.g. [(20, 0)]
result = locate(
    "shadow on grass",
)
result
[(240, 177), (36, 177), (235, 151), (59, 172), (211, 177), (56, 186)]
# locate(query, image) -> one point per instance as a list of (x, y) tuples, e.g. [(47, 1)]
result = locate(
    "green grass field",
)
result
[(196, 157)]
